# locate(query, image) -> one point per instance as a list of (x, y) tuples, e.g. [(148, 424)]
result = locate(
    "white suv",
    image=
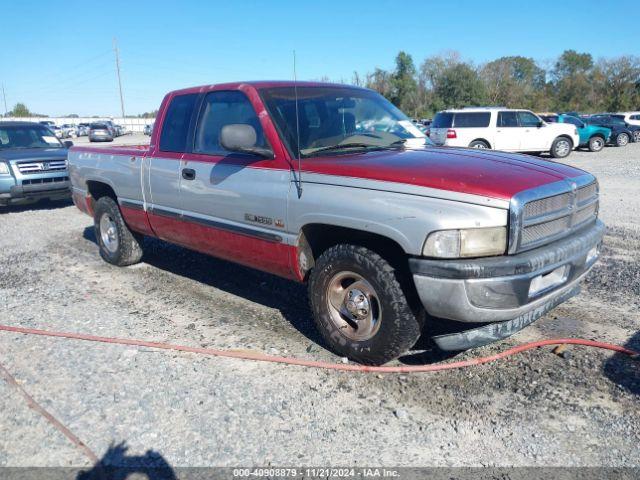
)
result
[(632, 118), (503, 129)]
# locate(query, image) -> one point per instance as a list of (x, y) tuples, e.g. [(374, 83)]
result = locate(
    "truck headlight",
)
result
[(471, 242), (4, 168)]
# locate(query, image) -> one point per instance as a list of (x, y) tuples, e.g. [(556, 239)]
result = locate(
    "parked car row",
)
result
[(622, 131), (83, 129), (500, 128), (515, 130)]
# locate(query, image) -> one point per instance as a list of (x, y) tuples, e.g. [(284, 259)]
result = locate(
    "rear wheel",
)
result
[(636, 136), (118, 245), (596, 143), (481, 144), (561, 147), (359, 306), (622, 140)]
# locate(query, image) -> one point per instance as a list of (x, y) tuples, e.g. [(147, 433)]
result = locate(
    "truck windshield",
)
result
[(27, 136), (336, 120)]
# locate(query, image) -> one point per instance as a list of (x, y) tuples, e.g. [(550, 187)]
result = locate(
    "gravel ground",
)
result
[(530, 410)]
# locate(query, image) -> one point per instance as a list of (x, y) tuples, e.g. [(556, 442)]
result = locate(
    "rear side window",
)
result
[(635, 117), (472, 120), (175, 127), (507, 119), (220, 109), (442, 120)]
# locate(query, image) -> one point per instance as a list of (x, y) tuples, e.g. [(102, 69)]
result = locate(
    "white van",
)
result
[(503, 129)]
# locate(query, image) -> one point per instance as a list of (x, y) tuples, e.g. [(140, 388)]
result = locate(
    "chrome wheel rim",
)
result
[(481, 146), (562, 148), (623, 139), (354, 306), (636, 136), (597, 144), (109, 233)]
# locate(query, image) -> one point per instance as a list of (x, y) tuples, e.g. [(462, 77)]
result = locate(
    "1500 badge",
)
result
[(249, 217)]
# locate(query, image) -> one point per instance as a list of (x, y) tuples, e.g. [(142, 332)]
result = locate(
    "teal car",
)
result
[(593, 137)]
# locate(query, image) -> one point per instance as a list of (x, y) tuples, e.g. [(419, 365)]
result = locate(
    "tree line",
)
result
[(574, 82)]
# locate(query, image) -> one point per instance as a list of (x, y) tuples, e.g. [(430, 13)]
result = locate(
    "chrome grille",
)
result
[(543, 220), (587, 213), (587, 193), (546, 205), (544, 230), (42, 166)]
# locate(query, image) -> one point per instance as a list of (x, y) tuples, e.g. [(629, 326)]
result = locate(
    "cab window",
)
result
[(175, 127), (224, 108)]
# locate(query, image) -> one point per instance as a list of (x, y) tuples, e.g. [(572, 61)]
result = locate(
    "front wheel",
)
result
[(561, 147), (118, 245), (596, 144), (622, 140), (359, 306)]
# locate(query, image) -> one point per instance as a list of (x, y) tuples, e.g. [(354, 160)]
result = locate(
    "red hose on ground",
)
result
[(326, 365)]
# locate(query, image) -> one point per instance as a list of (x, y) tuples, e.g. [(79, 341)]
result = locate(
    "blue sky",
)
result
[(58, 57)]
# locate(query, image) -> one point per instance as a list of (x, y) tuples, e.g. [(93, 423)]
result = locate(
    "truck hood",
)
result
[(16, 154), (478, 172)]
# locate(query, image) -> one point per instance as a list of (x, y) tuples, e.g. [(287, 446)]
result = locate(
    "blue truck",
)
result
[(33, 164)]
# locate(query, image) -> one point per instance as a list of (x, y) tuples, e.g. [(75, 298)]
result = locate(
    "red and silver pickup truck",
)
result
[(333, 186)]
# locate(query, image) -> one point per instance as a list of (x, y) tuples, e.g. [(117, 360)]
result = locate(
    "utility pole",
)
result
[(4, 96), (115, 49)]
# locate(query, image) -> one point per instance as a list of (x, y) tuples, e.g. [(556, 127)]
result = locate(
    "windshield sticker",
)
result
[(49, 139), (411, 128)]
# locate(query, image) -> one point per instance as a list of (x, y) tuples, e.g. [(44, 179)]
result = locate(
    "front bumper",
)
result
[(510, 287), (48, 187)]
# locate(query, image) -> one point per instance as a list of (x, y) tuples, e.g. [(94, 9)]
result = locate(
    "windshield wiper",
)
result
[(343, 146)]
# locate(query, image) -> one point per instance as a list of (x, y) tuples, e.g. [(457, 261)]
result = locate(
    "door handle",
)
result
[(188, 173)]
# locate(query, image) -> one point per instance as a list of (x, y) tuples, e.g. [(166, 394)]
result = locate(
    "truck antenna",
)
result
[(295, 90)]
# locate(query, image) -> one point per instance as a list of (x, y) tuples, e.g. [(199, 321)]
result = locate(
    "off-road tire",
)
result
[(622, 140), (556, 152), (481, 144), (399, 327), (129, 247), (596, 143)]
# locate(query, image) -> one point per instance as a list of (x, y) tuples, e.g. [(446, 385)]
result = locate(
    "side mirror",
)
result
[(541, 124), (68, 143), (240, 137)]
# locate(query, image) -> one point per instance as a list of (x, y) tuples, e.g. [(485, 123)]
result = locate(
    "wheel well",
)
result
[(565, 136), (100, 189), (484, 140), (320, 237)]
